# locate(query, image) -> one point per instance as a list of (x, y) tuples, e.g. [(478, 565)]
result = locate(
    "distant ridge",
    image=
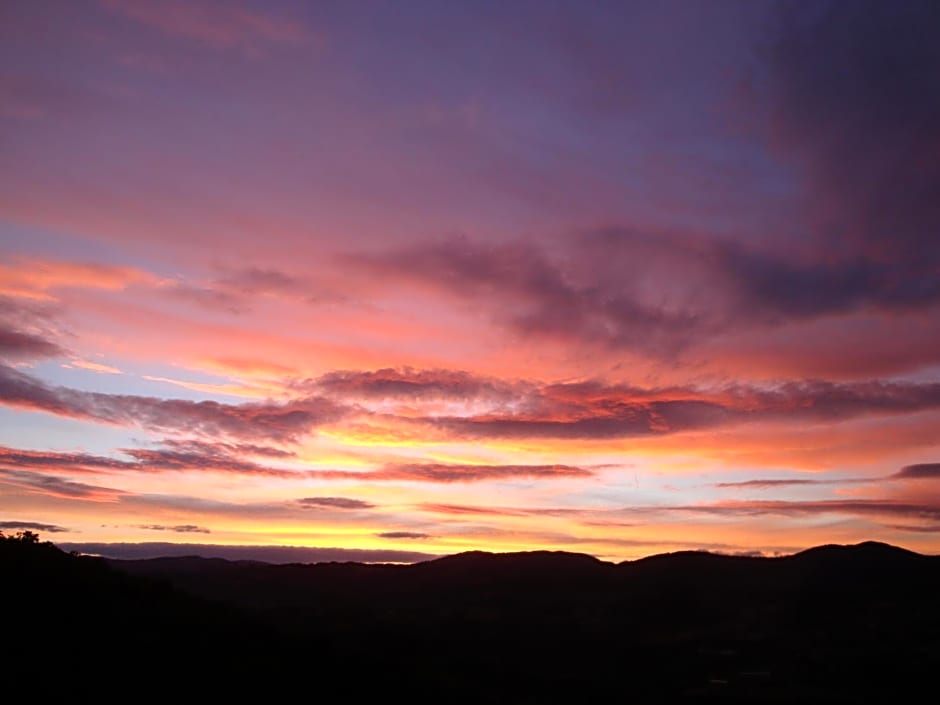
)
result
[(275, 554)]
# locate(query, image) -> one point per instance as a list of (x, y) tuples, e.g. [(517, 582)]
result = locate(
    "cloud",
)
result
[(55, 486), (445, 472), (459, 509), (536, 295), (217, 25), (583, 410), (920, 471), (190, 445), (17, 345), (662, 294), (179, 456), (917, 528), (202, 456), (335, 503), (403, 535), (162, 459), (411, 384), (596, 411), (32, 526), (284, 423), (266, 554), (179, 528), (769, 484), (762, 484), (40, 460), (26, 330)]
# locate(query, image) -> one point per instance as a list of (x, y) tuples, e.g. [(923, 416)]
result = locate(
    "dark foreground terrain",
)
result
[(832, 624)]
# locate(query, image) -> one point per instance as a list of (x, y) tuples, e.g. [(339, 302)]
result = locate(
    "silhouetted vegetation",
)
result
[(833, 624)]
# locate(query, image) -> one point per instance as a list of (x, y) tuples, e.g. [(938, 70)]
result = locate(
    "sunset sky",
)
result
[(415, 278)]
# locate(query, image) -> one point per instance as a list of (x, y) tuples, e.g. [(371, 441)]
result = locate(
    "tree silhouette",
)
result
[(30, 537)]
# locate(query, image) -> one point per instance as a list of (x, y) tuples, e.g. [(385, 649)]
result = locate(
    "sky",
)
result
[(402, 279)]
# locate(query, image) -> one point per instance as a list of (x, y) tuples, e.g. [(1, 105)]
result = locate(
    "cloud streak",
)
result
[(56, 486)]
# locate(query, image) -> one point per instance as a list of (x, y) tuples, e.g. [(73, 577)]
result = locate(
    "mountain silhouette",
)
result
[(831, 624)]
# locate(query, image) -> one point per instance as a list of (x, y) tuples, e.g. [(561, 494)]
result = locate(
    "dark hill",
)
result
[(833, 624)]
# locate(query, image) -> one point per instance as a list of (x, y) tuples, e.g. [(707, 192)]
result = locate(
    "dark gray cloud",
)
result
[(768, 484), (403, 535), (26, 330), (32, 526), (763, 484), (920, 471), (19, 345), (335, 503)]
